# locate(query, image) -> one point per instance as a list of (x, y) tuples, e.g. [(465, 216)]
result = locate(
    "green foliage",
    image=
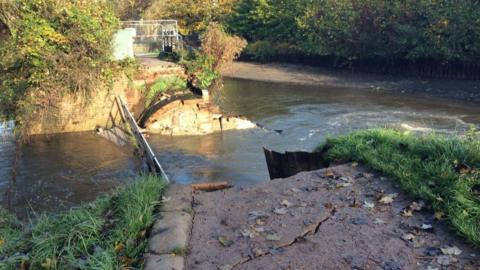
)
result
[(193, 15), (55, 47), (106, 234), (164, 84), (202, 68), (425, 29), (218, 50), (265, 50), (444, 171), (10, 231)]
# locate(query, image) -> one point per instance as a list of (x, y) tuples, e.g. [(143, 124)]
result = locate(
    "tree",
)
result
[(193, 15)]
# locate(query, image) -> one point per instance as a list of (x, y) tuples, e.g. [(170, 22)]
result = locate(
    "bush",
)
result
[(370, 29), (264, 51), (444, 171), (54, 48), (192, 15), (218, 50)]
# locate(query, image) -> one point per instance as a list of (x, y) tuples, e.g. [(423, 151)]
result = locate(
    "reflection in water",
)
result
[(61, 171), (306, 114)]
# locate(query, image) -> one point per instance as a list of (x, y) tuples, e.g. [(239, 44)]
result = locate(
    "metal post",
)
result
[(152, 160)]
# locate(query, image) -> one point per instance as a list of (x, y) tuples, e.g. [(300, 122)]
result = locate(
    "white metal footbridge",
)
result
[(162, 35)]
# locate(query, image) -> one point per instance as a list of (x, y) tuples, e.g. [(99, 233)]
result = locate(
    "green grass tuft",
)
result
[(445, 171), (109, 233)]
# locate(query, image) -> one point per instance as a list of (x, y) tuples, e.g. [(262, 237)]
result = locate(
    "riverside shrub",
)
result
[(371, 29), (54, 47)]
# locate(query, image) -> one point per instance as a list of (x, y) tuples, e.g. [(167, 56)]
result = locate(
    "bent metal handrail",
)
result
[(152, 160)]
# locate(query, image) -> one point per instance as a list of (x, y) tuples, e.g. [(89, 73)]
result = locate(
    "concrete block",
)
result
[(170, 232), (164, 262)]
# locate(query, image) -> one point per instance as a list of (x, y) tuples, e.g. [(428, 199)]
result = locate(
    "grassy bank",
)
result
[(109, 233), (444, 171)]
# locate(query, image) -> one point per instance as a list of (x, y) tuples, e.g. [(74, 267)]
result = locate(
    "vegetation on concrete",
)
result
[(444, 171), (162, 85), (109, 233), (356, 30)]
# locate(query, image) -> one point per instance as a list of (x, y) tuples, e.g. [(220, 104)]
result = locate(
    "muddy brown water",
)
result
[(57, 172), (61, 171), (305, 114)]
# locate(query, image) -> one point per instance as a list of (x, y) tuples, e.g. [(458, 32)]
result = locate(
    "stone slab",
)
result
[(164, 262), (180, 198), (170, 232)]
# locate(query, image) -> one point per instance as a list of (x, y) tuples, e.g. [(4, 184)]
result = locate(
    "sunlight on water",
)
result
[(305, 115)]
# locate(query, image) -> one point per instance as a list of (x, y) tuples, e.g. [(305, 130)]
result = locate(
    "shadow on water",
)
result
[(306, 114), (60, 171)]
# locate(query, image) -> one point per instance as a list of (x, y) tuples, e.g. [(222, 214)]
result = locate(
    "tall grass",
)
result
[(109, 233), (444, 171)]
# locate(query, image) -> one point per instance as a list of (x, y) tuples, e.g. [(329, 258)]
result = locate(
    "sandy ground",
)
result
[(326, 219), (459, 90)]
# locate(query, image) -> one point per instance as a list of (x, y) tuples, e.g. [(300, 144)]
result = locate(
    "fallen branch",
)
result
[(212, 186)]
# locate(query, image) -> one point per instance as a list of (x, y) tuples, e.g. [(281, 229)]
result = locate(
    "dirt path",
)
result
[(453, 89), (327, 219)]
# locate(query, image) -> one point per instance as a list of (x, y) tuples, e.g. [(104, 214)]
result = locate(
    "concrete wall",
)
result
[(193, 117), (76, 114)]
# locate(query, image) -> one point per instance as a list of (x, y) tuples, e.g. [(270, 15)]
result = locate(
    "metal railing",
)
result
[(162, 32), (152, 161)]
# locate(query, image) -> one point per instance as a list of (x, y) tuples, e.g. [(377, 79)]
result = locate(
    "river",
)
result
[(305, 115), (61, 171)]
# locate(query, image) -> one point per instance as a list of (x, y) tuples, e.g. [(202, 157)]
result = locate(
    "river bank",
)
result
[(467, 91)]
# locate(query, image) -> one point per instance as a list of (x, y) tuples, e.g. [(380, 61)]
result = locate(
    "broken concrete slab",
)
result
[(170, 232), (178, 198), (326, 219), (164, 262)]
